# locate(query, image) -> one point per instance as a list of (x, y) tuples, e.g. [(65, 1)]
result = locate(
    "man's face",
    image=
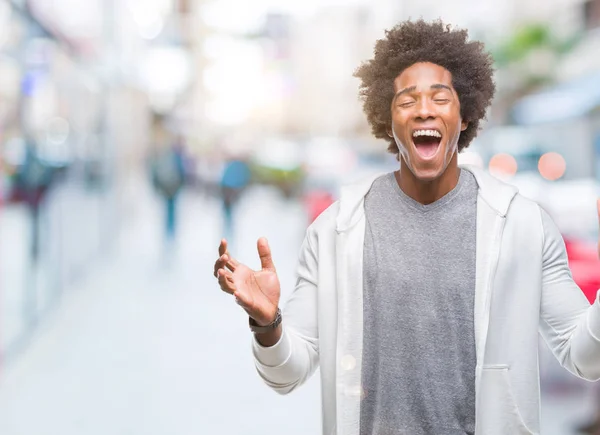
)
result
[(426, 122)]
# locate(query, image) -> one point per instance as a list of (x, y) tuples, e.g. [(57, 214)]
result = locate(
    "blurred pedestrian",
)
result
[(32, 181), (422, 292), (234, 180), (168, 177)]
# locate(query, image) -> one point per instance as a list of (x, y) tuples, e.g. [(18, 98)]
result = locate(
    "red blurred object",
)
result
[(585, 265), (316, 202)]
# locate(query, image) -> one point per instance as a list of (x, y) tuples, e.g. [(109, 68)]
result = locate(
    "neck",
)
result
[(427, 192)]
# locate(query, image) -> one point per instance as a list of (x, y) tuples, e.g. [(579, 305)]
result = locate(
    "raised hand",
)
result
[(257, 291)]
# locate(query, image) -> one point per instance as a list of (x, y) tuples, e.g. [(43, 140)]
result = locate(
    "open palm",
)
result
[(257, 291)]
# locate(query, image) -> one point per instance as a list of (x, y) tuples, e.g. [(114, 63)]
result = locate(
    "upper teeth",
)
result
[(427, 133)]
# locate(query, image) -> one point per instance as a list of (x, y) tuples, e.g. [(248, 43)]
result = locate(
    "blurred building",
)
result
[(561, 115), (76, 94)]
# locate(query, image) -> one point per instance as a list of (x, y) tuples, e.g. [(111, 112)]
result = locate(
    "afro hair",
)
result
[(411, 42)]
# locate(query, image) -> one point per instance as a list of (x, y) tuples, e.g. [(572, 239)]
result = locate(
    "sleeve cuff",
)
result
[(275, 355)]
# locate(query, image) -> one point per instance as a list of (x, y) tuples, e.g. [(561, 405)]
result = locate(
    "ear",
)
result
[(389, 131), (463, 125)]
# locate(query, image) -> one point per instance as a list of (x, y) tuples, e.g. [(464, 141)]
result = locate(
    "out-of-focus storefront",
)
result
[(562, 122), (50, 153), (64, 121), (566, 118)]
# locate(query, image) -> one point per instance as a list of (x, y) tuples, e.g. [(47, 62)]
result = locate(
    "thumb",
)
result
[(264, 252)]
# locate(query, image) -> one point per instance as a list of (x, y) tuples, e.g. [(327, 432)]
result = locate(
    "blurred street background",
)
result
[(135, 134)]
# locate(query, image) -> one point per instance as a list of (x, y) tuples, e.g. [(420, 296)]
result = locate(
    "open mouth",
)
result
[(427, 142)]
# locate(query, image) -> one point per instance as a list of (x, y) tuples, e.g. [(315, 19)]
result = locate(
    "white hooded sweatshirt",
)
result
[(524, 289)]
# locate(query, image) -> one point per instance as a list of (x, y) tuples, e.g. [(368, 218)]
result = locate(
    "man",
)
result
[(421, 293)]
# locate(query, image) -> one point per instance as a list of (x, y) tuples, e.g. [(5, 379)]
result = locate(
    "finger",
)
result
[(225, 261), (218, 265), (223, 247), (226, 281), (231, 262), (264, 252)]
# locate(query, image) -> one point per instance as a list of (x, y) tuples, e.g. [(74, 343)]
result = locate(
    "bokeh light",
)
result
[(503, 165), (552, 166)]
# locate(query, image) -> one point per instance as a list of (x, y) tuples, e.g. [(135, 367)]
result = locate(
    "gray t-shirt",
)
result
[(418, 372)]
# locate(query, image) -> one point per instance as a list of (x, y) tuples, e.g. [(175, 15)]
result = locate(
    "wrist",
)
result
[(265, 323), (260, 328)]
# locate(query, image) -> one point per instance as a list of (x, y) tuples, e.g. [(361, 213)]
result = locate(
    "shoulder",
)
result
[(326, 221), (530, 222), (522, 204), (525, 210)]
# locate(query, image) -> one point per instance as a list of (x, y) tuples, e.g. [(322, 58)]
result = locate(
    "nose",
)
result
[(425, 109)]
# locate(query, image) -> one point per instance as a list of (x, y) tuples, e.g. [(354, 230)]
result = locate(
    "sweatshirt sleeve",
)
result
[(291, 361), (568, 323)]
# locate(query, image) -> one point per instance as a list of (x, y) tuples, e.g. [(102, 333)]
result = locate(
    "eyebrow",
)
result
[(441, 86), (414, 88)]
